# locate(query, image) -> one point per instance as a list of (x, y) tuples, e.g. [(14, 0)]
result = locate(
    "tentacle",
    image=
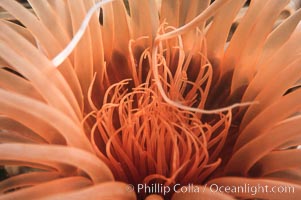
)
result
[(59, 186), (83, 160)]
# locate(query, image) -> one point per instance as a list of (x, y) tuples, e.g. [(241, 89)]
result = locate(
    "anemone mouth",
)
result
[(145, 140)]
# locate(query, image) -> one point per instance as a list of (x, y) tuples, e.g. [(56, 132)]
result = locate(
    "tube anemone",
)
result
[(151, 99)]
